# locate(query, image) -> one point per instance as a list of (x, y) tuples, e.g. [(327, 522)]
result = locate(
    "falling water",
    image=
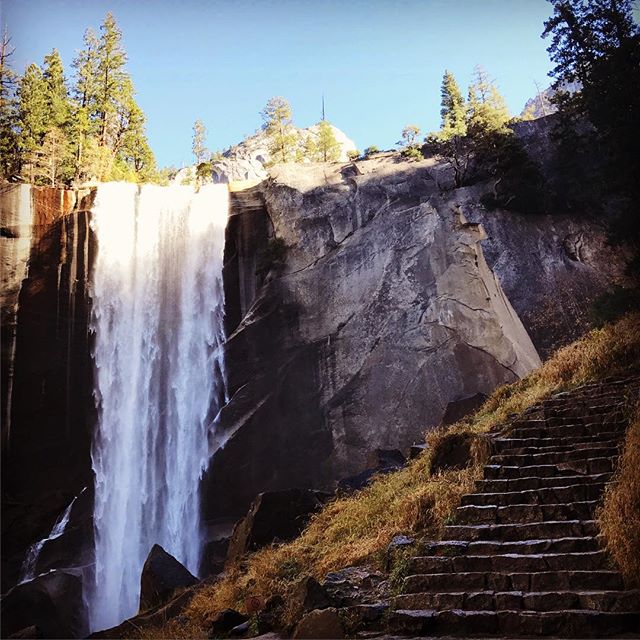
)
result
[(28, 569), (157, 315)]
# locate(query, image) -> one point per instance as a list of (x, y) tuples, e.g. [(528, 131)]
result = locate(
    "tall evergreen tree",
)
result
[(278, 126), (85, 93), (453, 108), (327, 146), (8, 135), (32, 115), (112, 77), (597, 43), (488, 110), (58, 106), (86, 68), (198, 147)]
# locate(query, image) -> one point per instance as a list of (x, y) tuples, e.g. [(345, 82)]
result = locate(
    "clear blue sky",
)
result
[(378, 62)]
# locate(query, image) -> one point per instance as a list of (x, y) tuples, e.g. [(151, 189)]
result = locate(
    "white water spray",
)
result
[(157, 315), (28, 569)]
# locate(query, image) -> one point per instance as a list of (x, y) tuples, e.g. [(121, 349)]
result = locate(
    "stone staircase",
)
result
[(523, 556)]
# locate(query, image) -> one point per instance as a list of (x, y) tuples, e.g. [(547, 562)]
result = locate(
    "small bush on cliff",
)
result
[(619, 517), (369, 151), (272, 256)]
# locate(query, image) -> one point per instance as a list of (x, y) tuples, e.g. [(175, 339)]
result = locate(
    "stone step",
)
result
[(553, 495), (592, 466), (527, 531), (535, 482), (616, 601), (533, 459), (511, 563), (518, 581), (544, 429), (523, 446), (606, 398), (489, 547), (571, 623), (512, 513)]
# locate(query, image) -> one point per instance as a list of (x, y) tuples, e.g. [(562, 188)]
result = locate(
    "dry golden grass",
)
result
[(619, 516), (357, 529)]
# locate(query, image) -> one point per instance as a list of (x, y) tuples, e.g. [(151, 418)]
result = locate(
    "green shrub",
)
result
[(272, 256), (412, 153)]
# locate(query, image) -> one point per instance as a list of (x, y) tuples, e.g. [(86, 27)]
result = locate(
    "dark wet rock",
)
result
[(274, 516), (27, 632), (215, 556), (452, 451), (321, 623), (386, 459), (416, 450), (355, 585), (154, 617), (458, 409), (399, 545), (162, 574), (309, 594), (271, 614), (51, 602), (379, 461), (241, 630), (225, 621)]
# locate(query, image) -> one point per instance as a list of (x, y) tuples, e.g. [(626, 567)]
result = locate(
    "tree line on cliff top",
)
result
[(595, 45), (54, 132)]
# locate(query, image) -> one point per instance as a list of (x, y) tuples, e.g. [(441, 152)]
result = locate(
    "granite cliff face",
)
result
[(394, 302), (363, 303), (47, 252)]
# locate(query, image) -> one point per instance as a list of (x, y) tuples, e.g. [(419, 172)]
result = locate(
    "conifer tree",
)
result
[(597, 43), (111, 86), (198, 147), (454, 110), (85, 93), (488, 110), (278, 126), (8, 136), (86, 70), (32, 116), (327, 147), (56, 91)]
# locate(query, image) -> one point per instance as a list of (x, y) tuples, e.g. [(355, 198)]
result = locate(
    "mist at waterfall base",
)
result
[(157, 319)]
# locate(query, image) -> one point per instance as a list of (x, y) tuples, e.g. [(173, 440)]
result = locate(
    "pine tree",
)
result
[(32, 115), (278, 126), (112, 79), (488, 111), (85, 94), (454, 110), (8, 136), (86, 69), (327, 147), (597, 43), (134, 150), (199, 134), (58, 107), (51, 161)]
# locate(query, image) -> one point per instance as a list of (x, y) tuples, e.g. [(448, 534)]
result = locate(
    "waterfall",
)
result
[(157, 316), (28, 569)]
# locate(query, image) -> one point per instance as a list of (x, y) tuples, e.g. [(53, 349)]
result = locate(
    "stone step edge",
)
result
[(525, 504)]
